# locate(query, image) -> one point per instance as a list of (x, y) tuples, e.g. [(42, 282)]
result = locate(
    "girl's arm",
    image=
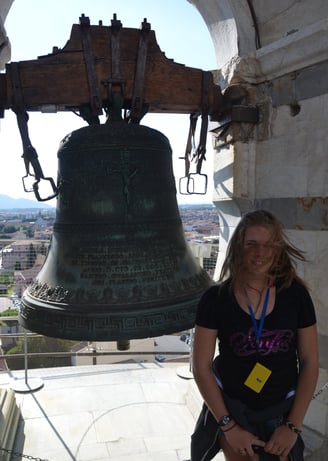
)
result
[(308, 373), (203, 354), (202, 357), (284, 436)]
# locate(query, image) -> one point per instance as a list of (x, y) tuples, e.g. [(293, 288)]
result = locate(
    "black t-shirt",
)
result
[(277, 350)]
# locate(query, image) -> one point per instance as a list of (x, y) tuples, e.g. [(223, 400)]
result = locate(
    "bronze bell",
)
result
[(118, 266)]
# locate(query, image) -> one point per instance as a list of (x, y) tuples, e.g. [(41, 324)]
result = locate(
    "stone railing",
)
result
[(9, 420)]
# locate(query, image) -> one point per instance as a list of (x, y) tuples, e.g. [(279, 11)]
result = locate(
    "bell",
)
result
[(118, 265)]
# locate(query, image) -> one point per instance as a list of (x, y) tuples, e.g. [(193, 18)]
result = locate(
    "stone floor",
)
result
[(121, 412)]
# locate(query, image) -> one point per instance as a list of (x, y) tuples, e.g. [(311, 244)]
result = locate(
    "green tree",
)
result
[(29, 232), (9, 229), (7, 277), (40, 344), (9, 313)]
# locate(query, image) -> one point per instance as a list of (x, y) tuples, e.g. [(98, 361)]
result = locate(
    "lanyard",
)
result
[(258, 328)]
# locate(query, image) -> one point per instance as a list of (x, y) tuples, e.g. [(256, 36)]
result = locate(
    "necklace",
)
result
[(257, 304), (260, 292), (249, 302)]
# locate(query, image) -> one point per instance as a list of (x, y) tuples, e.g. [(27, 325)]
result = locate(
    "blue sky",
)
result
[(34, 27)]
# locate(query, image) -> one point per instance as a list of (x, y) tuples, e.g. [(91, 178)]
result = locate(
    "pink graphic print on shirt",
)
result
[(270, 342)]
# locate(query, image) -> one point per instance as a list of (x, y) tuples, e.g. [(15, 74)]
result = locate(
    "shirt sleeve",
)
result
[(207, 310), (307, 315)]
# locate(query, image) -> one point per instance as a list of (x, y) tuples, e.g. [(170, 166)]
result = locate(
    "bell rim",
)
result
[(108, 326)]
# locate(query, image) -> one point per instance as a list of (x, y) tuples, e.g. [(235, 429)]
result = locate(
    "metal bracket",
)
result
[(235, 114), (239, 114)]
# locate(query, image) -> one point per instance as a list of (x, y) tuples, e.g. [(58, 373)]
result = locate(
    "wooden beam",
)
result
[(60, 81)]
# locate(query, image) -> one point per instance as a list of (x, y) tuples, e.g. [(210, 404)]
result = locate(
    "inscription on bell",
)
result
[(107, 265)]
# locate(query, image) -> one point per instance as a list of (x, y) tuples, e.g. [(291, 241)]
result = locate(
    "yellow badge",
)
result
[(257, 377)]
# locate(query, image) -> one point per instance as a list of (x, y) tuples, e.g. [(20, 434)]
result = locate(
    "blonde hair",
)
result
[(285, 253)]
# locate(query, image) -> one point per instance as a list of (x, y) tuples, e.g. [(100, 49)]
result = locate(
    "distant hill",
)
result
[(196, 205), (10, 203)]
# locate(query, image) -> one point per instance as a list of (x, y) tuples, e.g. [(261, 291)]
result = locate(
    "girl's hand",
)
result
[(241, 441), (281, 441)]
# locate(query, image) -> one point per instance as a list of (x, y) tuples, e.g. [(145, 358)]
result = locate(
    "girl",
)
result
[(257, 390)]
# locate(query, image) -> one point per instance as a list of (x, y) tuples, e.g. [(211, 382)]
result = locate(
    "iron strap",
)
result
[(201, 149), (190, 147), (30, 155), (115, 48), (137, 104), (197, 155), (95, 97)]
